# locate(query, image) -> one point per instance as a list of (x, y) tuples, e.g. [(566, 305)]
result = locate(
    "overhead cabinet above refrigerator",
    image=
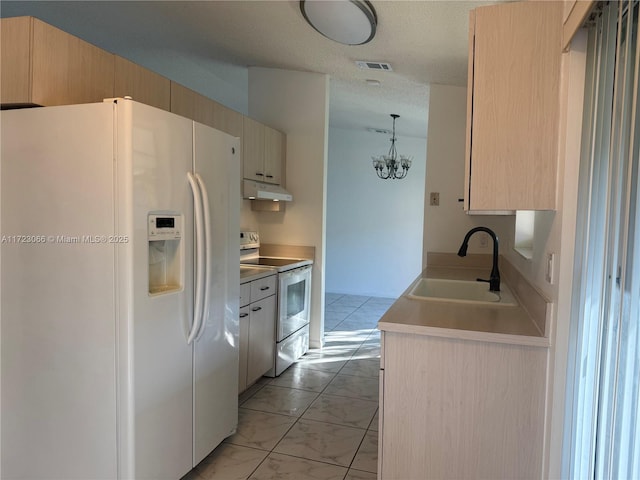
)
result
[(119, 305)]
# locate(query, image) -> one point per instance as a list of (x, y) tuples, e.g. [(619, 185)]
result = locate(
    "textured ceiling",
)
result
[(424, 41)]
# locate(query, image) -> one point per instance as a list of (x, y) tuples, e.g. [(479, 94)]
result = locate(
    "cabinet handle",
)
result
[(255, 309), (264, 288), (269, 176), (242, 315), (260, 174)]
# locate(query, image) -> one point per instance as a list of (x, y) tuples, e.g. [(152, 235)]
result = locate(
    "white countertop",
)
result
[(250, 273), (503, 324)]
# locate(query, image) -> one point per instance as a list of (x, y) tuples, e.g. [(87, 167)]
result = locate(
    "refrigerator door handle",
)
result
[(207, 255), (199, 254)]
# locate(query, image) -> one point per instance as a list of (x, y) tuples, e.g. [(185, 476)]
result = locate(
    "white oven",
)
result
[(292, 326), (293, 303)]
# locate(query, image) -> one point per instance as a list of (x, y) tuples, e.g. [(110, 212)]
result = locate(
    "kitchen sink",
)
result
[(460, 291)]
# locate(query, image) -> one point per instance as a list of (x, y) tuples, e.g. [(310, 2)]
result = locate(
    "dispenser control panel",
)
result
[(165, 227)]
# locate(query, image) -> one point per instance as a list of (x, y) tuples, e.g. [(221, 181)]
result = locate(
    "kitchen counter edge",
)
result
[(249, 274), (498, 324)]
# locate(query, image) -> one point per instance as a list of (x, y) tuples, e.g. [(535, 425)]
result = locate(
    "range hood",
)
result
[(264, 191)]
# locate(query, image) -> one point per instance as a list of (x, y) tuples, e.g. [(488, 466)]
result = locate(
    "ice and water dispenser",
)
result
[(165, 253)]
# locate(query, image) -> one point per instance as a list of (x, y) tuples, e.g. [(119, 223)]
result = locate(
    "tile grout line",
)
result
[(302, 414), (369, 336)]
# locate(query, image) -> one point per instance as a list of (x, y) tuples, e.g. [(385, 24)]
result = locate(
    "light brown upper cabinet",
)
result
[(574, 14), (141, 84), (263, 152), (190, 104), (513, 106), (227, 120), (42, 65)]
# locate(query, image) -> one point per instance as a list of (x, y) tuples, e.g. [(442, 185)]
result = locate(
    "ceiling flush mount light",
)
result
[(387, 166), (351, 22)]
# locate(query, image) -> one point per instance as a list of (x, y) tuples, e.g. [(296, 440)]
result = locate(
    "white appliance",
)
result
[(294, 296), (120, 285), (264, 191), (292, 325)]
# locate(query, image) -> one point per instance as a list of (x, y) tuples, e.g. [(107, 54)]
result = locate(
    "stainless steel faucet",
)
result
[(494, 277)]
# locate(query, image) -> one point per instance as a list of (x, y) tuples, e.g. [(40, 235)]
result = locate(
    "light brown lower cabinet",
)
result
[(460, 409)]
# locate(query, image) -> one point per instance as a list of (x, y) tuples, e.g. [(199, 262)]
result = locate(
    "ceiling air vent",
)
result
[(385, 67), (378, 130)]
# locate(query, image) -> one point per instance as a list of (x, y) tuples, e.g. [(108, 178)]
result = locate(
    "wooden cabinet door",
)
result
[(274, 149), (66, 70), (190, 104), (513, 110), (141, 84), (187, 103), (567, 6), (46, 66), (574, 14), (227, 120), (15, 60), (262, 327), (461, 409), (253, 149)]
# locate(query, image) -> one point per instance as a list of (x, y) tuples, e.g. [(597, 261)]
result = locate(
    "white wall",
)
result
[(374, 226), (446, 225), (297, 103), (225, 83)]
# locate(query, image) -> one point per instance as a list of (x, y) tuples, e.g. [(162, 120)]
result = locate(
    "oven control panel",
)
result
[(249, 240)]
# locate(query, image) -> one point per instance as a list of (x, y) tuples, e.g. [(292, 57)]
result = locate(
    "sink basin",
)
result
[(460, 291)]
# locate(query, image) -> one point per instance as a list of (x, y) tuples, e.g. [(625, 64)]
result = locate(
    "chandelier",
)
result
[(387, 166)]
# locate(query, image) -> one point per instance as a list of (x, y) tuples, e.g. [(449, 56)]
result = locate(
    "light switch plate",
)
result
[(434, 199), (551, 260)]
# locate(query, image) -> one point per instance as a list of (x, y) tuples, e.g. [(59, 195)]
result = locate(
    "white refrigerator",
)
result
[(119, 291)]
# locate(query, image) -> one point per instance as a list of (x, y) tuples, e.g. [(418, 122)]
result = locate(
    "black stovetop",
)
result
[(270, 262)]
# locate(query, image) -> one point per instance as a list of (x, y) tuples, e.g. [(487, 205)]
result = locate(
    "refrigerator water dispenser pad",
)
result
[(165, 253)]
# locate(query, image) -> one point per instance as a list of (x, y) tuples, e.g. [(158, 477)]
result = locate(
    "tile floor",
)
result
[(319, 419)]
